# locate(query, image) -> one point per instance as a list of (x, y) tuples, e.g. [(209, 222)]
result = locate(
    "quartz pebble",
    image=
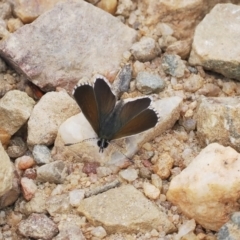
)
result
[(150, 190), (99, 232), (28, 188), (129, 174), (24, 162), (75, 196), (41, 154)]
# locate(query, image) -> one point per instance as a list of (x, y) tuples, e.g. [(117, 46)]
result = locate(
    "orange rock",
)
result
[(25, 162), (4, 138)]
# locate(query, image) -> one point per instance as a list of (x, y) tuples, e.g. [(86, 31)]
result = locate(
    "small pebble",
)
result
[(129, 174), (28, 188), (90, 167), (150, 191), (24, 162), (99, 232), (41, 154), (76, 196), (30, 173)]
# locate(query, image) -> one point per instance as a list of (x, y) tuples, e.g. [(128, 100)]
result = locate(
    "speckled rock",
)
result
[(28, 188), (125, 204), (15, 107), (38, 226), (41, 154), (17, 147)]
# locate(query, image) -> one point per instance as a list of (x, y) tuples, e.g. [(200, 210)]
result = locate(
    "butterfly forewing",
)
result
[(135, 117), (105, 98), (85, 98)]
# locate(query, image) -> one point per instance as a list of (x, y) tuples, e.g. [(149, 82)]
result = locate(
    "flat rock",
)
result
[(124, 209), (218, 121), (168, 109), (15, 109), (82, 40), (209, 188), (48, 114), (6, 172), (214, 41)]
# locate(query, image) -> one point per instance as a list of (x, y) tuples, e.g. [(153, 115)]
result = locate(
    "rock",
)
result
[(48, 114), (214, 40), (99, 232), (38, 226), (230, 230), (41, 154), (3, 66), (125, 7), (124, 206), (4, 138), (151, 191), (28, 11), (28, 188), (30, 173), (186, 228), (24, 162), (76, 196), (211, 180), (109, 6), (181, 48), (5, 10), (209, 90), (6, 172), (69, 230), (15, 107), (165, 41), (173, 65), (168, 109), (54, 172), (78, 43), (129, 174), (193, 83), (147, 83), (90, 167), (163, 166), (58, 204), (17, 147), (14, 24), (217, 121), (145, 50)]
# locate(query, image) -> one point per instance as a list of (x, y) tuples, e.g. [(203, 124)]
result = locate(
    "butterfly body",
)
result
[(112, 119)]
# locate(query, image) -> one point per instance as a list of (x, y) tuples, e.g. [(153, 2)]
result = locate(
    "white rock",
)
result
[(15, 109), (99, 232), (209, 188), (150, 190), (129, 174), (76, 196), (48, 114), (185, 228)]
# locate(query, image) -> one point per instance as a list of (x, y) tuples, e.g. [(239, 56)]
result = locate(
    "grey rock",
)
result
[(146, 49), (17, 147), (149, 82), (119, 210), (173, 65), (41, 154), (5, 10), (15, 109), (54, 172), (38, 226), (61, 52)]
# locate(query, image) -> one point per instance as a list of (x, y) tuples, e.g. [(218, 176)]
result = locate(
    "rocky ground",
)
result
[(184, 179)]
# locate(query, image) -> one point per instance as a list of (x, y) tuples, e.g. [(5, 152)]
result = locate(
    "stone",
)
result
[(38, 226), (15, 107), (214, 40), (54, 172), (145, 50), (173, 65), (129, 174), (109, 6), (99, 232), (4, 138), (48, 114), (5, 10), (6, 172), (76, 196), (77, 50), (151, 191), (28, 188), (217, 121), (41, 154), (165, 41), (193, 83), (163, 166), (124, 206), (148, 83), (17, 147), (3, 66), (168, 110), (207, 190), (14, 24), (24, 162)]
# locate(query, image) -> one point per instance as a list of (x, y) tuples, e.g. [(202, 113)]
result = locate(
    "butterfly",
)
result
[(112, 119)]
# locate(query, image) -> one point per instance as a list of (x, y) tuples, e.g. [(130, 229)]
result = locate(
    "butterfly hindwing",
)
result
[(135, 117), (85, 98)]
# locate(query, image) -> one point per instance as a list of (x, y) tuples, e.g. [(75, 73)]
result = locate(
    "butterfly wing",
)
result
[(135, 117), (105, 98), (85, 98)]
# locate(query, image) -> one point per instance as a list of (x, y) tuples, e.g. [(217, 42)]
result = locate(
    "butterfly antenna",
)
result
[(85, 140), (117, 147)]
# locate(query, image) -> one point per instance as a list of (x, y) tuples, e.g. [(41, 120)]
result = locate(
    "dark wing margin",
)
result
[(85, 98), (105, 98), (136, 117)]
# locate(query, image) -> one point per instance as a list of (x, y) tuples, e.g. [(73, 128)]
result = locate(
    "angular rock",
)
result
[(17, 147), (218, 120), (209, 188), (28, 188), (168, 109), (41, 154), (124, 209), (48, 114), (214, 41), (6, 172), (54, 172), (15, 109), (38, 226), (90, 41)]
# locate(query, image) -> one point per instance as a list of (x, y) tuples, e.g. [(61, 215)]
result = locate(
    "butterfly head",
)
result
[(102, 143)]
